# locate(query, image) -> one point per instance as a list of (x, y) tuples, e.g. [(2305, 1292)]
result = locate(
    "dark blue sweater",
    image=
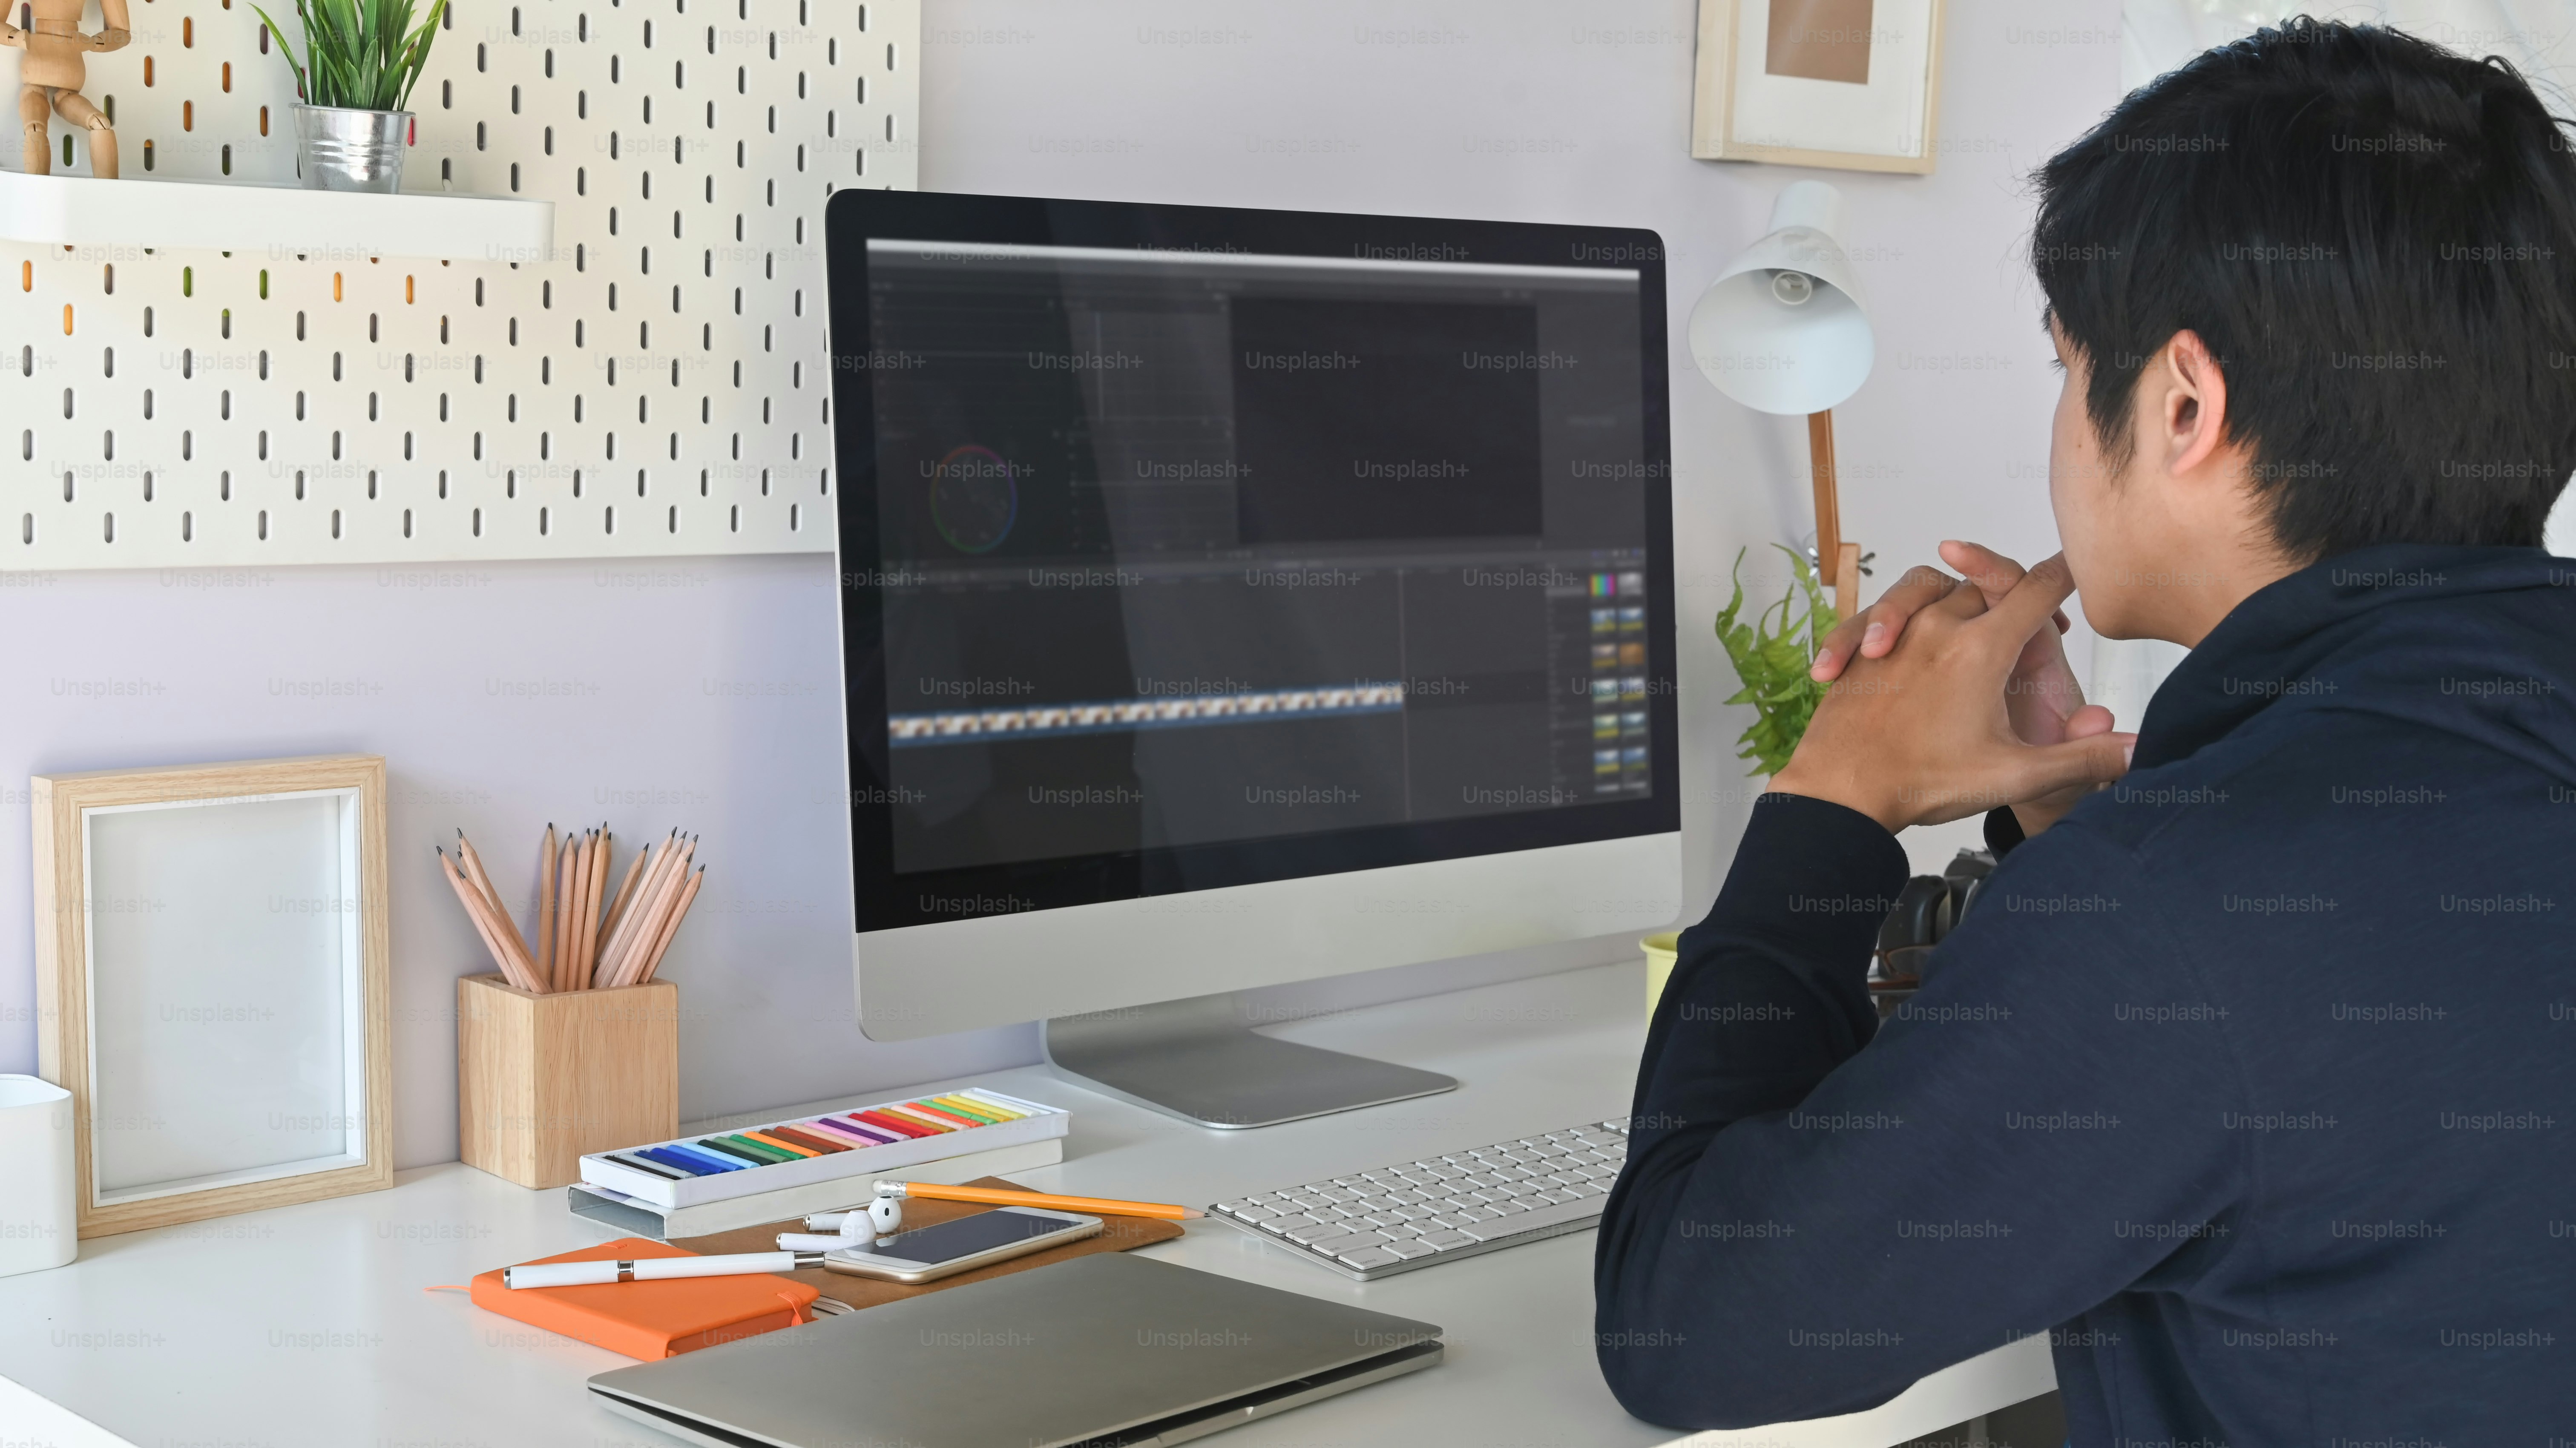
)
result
[(2252, 1083)]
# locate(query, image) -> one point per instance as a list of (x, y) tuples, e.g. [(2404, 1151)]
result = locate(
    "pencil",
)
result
[(574, 874), (640, 954), (678, 913), (474, 917), (625, 889), (579, 976), (502, 925), (1000, 1198), (614, 948), (655, 928), (472, 864), (474, 912), (648, 924), (501, 913), (590, 906), (546, 906), (565, 859), (591, 911)]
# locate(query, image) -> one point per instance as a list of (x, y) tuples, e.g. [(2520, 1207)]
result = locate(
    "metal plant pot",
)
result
[(338, 149)]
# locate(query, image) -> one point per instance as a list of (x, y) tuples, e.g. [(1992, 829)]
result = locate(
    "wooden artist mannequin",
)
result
[(52, 76)]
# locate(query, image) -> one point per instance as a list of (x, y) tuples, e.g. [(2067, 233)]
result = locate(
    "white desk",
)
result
[(309, 1325)]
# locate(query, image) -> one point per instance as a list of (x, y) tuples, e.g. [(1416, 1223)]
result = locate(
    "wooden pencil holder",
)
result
[(541, 1079)]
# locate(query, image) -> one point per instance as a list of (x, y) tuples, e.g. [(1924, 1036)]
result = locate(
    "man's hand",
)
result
[(110, 40), (1929, 733), (2045, 702)]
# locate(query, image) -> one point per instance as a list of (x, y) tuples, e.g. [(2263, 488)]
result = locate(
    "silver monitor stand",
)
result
[(1200, 1060)]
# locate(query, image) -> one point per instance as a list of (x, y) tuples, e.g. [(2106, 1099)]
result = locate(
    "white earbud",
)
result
[(858, 1228), (817, 1242), (885, 1214)]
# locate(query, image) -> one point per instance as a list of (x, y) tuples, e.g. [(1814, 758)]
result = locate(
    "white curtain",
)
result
[(2538, 36)]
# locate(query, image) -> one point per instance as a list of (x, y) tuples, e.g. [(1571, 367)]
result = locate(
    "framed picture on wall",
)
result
[(1853, 84), (211, 982)]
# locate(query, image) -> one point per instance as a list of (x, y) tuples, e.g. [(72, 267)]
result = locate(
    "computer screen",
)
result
[(1186, 547)]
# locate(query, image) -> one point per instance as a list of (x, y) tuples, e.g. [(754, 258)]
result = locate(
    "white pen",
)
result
[(648, 1269)]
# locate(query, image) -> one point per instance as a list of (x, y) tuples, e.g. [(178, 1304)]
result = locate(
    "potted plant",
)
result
[(362, 58), (1772, 655)]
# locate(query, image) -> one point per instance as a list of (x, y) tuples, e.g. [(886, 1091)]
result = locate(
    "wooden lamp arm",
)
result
[(1837, 562)]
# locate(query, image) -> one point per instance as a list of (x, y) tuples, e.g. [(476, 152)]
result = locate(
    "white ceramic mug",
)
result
[(38, 1227)]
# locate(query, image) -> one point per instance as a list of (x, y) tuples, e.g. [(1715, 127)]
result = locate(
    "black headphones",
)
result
[(1927, 909)]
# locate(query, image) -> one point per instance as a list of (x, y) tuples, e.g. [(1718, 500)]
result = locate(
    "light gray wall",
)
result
[(701, 692)]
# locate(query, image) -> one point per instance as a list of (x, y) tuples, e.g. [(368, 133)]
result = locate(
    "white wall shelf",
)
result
[(647, 380), (272, 220)]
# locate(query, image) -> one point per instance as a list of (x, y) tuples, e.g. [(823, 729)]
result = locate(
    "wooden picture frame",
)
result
[(212, 984), (1793, 117)]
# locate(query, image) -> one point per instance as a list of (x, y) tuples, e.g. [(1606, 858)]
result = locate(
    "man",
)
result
[(2251, 1078)]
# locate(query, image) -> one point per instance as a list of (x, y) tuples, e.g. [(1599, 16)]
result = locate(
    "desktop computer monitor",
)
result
[(1236, 597)]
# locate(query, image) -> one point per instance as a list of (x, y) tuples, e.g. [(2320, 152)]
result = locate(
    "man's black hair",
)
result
[(2376, 237)]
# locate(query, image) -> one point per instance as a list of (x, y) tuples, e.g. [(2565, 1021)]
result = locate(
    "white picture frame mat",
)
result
[(1883, 118), (225, 986)]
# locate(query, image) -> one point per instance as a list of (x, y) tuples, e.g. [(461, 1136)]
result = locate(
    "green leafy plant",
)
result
[(358, 53), (1772, 655)]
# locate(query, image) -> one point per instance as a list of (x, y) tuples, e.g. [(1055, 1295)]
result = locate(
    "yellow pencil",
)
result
[(994, 1196)]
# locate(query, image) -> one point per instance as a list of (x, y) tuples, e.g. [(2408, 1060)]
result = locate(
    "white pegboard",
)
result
[(655, 386)]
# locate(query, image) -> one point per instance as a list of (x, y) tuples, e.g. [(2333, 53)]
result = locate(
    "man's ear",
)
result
[(2184, 405)]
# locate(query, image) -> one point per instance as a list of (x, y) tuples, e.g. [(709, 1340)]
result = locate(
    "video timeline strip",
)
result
[(1036, 721)]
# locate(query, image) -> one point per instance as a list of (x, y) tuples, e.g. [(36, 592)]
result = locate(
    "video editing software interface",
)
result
[(1185, 548)]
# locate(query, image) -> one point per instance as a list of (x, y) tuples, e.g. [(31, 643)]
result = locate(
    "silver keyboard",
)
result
[(1374, 1224)]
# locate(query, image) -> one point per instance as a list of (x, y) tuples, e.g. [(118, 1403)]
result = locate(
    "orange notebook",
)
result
[(650, 1320)]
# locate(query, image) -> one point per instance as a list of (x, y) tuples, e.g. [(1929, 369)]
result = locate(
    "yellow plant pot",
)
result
[(1660, 953)]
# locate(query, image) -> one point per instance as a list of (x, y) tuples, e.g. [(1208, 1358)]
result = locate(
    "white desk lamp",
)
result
[(1784, 329)]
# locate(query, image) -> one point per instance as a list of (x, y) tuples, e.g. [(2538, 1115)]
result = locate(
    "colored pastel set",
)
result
[(864, 1142)]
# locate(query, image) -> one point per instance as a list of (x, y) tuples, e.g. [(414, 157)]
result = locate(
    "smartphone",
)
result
[(926, 1254)]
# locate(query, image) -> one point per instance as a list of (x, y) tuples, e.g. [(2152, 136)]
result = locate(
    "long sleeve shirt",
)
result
[(2251, 1083)]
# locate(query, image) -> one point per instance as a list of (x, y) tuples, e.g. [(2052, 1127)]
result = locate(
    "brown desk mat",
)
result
[(1117, 1234)]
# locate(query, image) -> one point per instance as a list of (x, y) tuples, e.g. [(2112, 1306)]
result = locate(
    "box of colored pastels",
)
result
[(872, 1141)]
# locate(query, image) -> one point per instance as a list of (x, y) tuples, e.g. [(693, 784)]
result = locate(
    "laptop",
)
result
[(1109, 1350)]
